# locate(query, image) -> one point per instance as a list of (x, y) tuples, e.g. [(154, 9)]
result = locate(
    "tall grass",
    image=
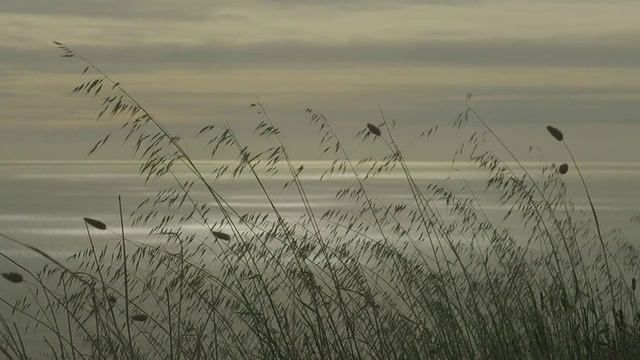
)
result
[(406, 280)]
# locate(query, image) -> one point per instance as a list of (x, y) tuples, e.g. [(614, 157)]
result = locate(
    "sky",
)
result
[(571, 64)]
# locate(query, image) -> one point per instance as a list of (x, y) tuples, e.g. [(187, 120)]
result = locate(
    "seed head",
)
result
[(95, 223), (374, 129), (13, 277), (139, 317), (555, 133), (563, 168), (222, 236)]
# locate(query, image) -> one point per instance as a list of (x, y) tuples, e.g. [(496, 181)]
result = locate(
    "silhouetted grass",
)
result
[(406, 280)]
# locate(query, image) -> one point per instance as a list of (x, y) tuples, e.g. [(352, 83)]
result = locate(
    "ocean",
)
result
[(44, 203)]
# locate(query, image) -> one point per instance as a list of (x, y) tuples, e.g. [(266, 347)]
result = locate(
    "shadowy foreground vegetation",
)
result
[(404, 280)]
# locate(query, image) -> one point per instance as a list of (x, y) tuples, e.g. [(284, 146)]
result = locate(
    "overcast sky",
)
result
[(573, 64)]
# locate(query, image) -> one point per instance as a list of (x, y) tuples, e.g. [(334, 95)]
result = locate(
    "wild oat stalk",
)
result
[(432, 275)]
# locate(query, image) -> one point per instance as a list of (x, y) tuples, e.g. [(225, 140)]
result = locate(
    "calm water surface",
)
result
[(43, 203)]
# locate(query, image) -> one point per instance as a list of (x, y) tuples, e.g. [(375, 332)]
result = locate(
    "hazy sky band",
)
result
[(573, 63)]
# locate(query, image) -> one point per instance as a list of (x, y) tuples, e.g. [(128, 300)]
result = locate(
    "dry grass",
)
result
[(404, 280)]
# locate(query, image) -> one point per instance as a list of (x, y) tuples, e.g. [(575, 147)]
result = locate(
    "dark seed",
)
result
[(13, 277), (563, 169), (95, 223), (555, 133), (374, 129), (221, 235), (139, 317)]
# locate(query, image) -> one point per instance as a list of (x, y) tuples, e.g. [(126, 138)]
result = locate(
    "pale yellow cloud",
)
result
[(192, 96), (292, 81), (262, 22), (265, 81), (503, 51)]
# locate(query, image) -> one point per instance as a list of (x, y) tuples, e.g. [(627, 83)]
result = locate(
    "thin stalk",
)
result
[(123, 248), (595, 218)]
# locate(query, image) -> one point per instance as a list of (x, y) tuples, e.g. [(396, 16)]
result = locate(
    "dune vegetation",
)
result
[(406, 280)]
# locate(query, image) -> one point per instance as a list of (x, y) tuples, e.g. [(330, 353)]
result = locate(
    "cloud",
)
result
[(267, 34), (198, 61), (120, 9), (621, 51), (247, 23)]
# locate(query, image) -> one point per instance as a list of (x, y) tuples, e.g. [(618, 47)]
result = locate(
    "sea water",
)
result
[(43, 203)]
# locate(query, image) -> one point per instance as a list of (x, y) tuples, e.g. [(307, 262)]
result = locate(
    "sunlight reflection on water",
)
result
[(43, 203)]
